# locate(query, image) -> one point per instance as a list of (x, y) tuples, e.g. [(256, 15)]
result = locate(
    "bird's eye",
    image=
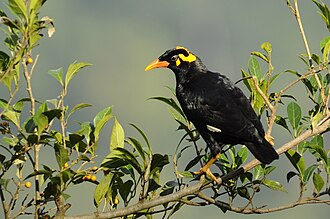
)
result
[(174, 58)]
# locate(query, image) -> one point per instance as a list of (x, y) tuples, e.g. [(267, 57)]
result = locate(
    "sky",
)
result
[(121, 37)]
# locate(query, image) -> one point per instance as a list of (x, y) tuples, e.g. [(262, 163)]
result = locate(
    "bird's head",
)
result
[(178, 60)]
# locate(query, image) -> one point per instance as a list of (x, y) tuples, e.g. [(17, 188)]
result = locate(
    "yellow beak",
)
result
[(157, 64)]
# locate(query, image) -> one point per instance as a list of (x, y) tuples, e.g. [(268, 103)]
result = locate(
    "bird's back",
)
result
[(221, 111)]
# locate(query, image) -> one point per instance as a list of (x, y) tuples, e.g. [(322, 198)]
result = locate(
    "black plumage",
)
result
[(218, 109)]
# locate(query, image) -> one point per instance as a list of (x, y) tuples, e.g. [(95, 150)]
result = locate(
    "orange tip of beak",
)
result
[(157, 64)]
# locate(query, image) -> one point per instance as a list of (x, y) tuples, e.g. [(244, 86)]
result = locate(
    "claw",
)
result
[(206, 169)]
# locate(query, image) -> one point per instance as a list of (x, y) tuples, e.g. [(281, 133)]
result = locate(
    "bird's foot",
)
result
[(206, 169), (209, 173), (270, 139)]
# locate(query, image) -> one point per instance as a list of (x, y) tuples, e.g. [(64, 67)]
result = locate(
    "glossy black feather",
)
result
[(218, 109)]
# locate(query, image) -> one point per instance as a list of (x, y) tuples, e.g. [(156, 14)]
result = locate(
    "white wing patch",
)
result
[(212, 128)]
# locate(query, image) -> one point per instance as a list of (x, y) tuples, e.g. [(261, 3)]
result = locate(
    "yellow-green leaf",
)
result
[(19, 8), (73, 70), (117, 136), (318, 182), (294, 114), (267, 47), (254, 67), (274, 185), (102, 189), (12, 116)]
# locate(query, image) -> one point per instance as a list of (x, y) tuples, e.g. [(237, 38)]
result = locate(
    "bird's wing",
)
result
[(225, 108)]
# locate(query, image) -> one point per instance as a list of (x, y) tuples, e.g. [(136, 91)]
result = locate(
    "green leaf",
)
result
[(260, 55), (125, 189), (318, 140), (175, 209), (73, 70), (274, 185), (257, 100), (78, 107), (61, 154), (101, 115), (86, 130), (186, 174), (242, 156), (267, 46), (308, 173), (42, 108), (168, 188), (102, 189), (101, 119), (326, 50), (158, 162), (281, 121), (117, 136), (316, 119), (290, 175), (4, 60), (294, 114), (318, 152), (297, 161), (10, 141), (129, 157), (112, 161), (51, 114), (35, 5), (193, 162), (316, 58), (42, 123), (18, 7), (243, 192), (144, 136), (19, 105), (39, 172), (258, 171), (325, 13), (4, 183), (177, 116), (318, 182), (273, 78), (254, 68), (12, 116), (171, 102), (3, 103), (57, 74), (269, 169), (246, 80), (137, 145)]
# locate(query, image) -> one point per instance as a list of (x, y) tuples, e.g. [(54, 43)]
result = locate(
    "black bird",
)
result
[(219, 110)]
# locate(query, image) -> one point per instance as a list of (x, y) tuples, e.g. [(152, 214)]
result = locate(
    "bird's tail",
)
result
[(263, 151)]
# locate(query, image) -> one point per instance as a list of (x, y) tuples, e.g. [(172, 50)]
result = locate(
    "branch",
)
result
[(203, 184), (226, 206)]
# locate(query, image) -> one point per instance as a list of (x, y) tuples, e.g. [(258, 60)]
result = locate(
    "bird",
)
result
[(218, 109)]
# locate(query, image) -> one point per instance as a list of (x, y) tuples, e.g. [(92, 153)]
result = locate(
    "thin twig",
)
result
[(272, 108), (296, 13), (262, 94), (27, 77)]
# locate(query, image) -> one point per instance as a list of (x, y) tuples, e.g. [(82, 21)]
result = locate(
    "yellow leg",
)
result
[(206, 168)]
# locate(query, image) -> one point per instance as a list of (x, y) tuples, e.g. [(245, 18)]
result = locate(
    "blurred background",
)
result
[(121, 37)]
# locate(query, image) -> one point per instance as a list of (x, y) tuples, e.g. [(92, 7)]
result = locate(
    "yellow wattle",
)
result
[(190, 58)]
